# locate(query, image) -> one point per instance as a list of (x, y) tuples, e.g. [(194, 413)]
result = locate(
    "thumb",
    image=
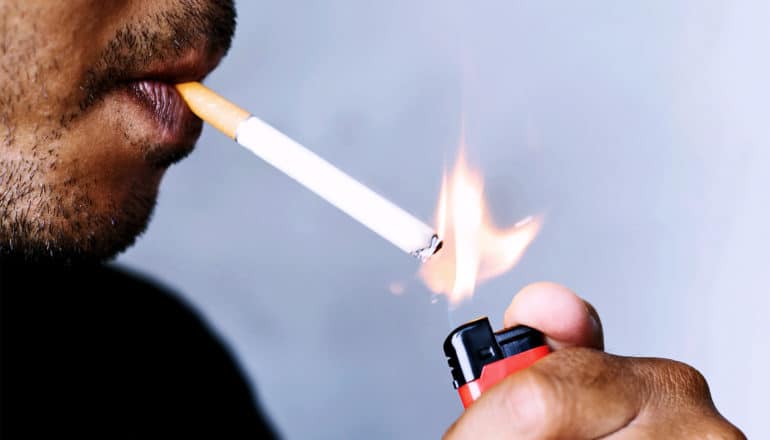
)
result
[(564, 318)]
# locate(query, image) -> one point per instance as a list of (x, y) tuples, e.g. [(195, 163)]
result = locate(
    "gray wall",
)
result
[(640, 129)]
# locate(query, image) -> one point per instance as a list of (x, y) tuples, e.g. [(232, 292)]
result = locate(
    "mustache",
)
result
[(196, 25)]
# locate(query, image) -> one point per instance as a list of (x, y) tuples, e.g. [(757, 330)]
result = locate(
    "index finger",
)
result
[(566, 319)]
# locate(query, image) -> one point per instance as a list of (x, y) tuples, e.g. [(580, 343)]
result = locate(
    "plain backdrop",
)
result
[(641, 130)]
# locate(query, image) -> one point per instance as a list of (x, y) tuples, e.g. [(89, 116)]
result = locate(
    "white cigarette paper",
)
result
[(366, 206)]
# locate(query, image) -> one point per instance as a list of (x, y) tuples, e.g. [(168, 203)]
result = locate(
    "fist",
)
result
[(580, 392)]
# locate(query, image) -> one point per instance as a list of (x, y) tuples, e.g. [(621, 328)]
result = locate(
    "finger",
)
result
[(576, 393), (565, 318)]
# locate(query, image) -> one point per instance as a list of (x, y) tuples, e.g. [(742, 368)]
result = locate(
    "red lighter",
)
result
[(479, 357)]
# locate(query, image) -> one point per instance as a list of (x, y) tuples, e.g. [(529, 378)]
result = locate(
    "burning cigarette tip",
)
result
[(425, 253)]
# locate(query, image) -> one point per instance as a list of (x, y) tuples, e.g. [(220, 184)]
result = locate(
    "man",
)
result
[(89, 122), (89, 125)]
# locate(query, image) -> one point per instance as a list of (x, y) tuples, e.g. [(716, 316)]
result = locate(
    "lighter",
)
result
[(479, 357)]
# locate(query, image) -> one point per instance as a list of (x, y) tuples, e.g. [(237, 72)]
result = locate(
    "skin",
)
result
[(580, 392), (79, 166), (79, 174)]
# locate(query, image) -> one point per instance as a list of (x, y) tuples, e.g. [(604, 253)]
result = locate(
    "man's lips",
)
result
[(170, 112), (193, 65), (174, 127)]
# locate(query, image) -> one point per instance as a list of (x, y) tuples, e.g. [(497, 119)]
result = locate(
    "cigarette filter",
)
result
[(480, 358), (371, 209)]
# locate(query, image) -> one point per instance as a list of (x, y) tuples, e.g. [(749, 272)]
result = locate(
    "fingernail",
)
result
[(596, 324)]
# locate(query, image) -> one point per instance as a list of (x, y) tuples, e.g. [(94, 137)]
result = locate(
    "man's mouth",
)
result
[(137, 68), (135, 74), (174, 128)]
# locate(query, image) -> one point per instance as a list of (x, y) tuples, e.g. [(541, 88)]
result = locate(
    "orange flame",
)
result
[(474, 249)]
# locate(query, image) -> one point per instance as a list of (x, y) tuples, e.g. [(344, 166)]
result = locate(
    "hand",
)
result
[(580, 392)]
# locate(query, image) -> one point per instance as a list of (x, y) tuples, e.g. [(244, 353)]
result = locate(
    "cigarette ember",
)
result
[(366, 206)]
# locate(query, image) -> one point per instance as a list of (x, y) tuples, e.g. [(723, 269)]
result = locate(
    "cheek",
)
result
[(48, 48), (100, 152)]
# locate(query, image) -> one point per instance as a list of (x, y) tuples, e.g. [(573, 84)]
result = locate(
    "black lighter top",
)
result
[(474, 345)]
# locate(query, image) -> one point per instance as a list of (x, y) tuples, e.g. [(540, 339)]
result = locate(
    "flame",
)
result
[(474, 249)]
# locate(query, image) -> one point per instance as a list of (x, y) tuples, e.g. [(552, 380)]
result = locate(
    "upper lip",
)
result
[(191, 65)]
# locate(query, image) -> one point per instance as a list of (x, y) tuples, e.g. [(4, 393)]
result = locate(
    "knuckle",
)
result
[(688, 380), (674, 383), (725, 431), (714, 428), (680, 394)]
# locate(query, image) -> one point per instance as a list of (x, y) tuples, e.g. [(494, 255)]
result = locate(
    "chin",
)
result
[(81, 225), (112, 225)]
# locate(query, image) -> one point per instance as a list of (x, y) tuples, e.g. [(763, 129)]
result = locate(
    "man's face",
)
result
[(88, 119)]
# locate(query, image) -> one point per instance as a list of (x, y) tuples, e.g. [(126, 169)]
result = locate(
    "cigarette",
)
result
[(372, 210)]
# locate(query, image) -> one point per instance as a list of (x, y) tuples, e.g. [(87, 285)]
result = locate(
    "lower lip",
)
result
[(177, 128)]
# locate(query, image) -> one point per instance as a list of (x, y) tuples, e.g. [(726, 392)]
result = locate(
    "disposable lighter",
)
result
[(479, 357)]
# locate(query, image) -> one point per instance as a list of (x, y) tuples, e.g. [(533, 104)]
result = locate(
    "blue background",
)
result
[(640, 129)]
